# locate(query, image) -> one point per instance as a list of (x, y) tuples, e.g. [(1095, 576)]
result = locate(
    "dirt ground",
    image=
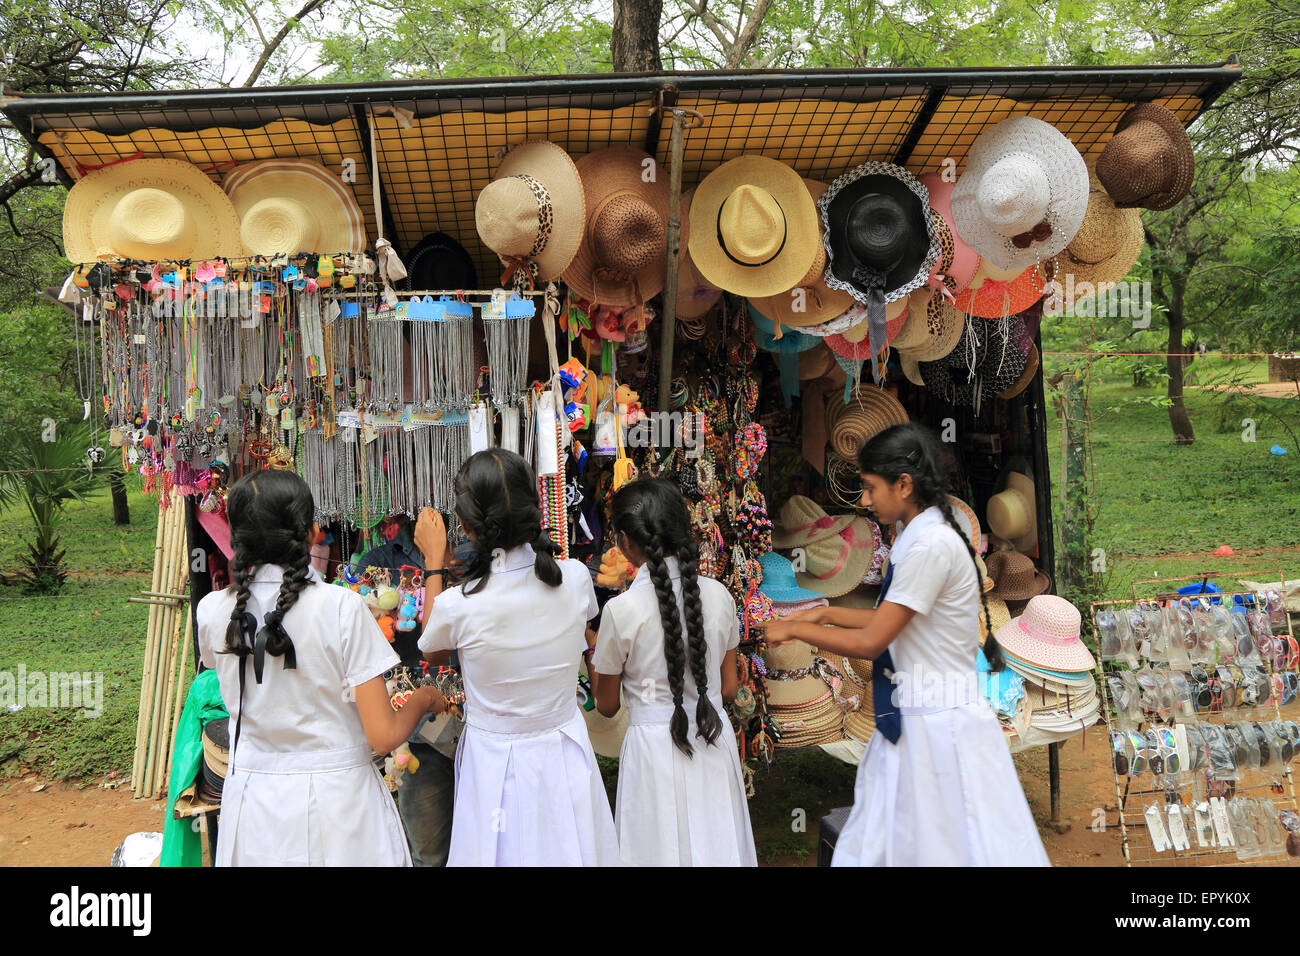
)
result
[(62, 824), (1260, 389)]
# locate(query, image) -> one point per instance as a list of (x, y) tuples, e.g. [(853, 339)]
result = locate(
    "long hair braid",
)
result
[(707, 721), (914, 450), (239, 636), (674, 649)]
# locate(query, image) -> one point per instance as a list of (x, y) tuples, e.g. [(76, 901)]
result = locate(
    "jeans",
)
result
[(424, 801)]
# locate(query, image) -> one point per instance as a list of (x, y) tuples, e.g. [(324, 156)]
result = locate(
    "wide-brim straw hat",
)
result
[(1027, 376), (944, 328), (855, 342), (1047, 635), (1044, 684), (696, 295), (923, 308), (999, 615), (216, 745), (837, 564), (287, 206), (801, 521), (877, 218), (911, 368), (967, 518), (152, 210), (869, 411), (799, 692), (820, 723), (1012, 513), (1149, 160), (811, 301), (1001, 292), (957, 260), (1020, 173), (1105, 249), (859, 724), (756, 231), (624, 245), (816, 362), (1015, 576), (533, 212)]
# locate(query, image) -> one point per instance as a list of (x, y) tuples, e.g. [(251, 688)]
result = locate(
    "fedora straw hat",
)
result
[(294, 205), (1047, 635), (533, 211), (995, 292), (755, 227), (810, 301), (869, 411), (1148, 161), (1015, 577), (695, 294), (620, 259), (803, 521), (149, 209), (1106, 247), (1027, 376), (1023, 193), (957, 260), (1012, 514), (837, 564)]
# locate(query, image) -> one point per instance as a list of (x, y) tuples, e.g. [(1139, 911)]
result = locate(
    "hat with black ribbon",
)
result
[(880, 241)]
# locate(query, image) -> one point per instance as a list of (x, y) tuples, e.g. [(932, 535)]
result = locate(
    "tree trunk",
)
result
[(121, 508), (635, 40), (1178, 418)]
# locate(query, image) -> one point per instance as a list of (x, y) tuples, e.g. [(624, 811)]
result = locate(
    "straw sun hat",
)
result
[(1027, 376), (294, 205), (816, 302), (755, 229), (149, 209), (803, 521), (804, 706), (1023, 193), (533, 211), (620, 258), (1015, 577), (1106, 247), (1011, 512), (995, 292), (869, 412), (855, 343), (1047, 635), (1148, 161)]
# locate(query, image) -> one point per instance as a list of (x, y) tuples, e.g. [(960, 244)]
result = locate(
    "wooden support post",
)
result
[(668, 322)]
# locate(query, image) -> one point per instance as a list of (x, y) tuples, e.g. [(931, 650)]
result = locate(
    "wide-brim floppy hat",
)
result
[(811, 301), (696, 295), (809, 692), (944, 327), (755, 228), (1023, 193), (957, 260), (967, 518), (1011, 513), (859, 723), (923, 308), (151, 210), (1104, 250), (837, 564), (1020, 384), (533, 212), (1015, 576), (621, 257), (287, 206), (438, 263), (1149, 160), (990, 357), (869, 411), (995, 292), (1047, 635), (779, 584), (855, 342), (999, 615), (816, 362), (803, 521)]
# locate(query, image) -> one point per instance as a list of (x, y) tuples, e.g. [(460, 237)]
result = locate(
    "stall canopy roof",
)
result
[(438, 149)]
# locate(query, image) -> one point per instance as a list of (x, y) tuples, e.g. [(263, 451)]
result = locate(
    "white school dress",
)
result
[(946, 794), (673, 810), (302, 789), (528, 789)]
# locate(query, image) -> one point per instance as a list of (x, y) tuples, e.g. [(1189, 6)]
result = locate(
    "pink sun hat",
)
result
[(1047, 635), (957, 260)]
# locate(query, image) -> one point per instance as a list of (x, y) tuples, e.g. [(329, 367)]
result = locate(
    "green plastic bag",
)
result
[(182, 846)]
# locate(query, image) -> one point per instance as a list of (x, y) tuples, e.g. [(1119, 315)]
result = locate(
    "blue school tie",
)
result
[(888, 720)]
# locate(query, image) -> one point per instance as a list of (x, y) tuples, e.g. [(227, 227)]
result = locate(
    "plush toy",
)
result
[(398, 764), (629, 405), (574, 380), (406, 614), (615, 570)]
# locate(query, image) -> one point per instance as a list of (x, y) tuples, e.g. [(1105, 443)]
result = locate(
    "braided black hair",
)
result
[(914, 450), (654, 516), (271, 515), (496, 499)]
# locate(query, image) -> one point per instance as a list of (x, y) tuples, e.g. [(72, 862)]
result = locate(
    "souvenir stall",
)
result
[(730, 280)]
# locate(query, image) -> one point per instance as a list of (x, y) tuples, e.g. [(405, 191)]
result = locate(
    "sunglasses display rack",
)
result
[(1203, 735)]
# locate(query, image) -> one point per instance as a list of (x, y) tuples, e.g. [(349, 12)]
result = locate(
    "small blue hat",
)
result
[(779, 584)]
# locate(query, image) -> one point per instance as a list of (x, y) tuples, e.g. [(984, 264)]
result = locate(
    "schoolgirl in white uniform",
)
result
[(681, 795), (528, 790), (300, 664), (936, 786)]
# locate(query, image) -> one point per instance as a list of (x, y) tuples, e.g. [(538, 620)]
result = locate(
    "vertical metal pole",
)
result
[(1054, 779), (668, 329)]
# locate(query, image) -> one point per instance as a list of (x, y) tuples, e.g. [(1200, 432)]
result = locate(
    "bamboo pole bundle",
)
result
[(164, 720), (142, 718), (182, 688), (175, 538)]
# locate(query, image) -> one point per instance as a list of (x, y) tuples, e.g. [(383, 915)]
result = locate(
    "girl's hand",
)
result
[(435, 702), (778, 632), (430, 537), (591, 638)]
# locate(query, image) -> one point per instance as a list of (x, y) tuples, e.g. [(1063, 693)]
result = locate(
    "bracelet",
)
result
[(442, 571)]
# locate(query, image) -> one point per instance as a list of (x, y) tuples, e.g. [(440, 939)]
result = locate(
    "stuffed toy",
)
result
[(574, 379), (629, 405), (615, 570)]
